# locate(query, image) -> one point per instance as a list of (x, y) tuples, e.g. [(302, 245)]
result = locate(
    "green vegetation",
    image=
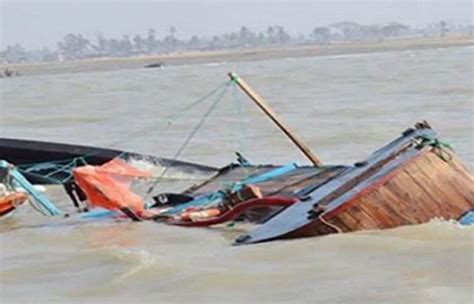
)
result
[(76, 46)]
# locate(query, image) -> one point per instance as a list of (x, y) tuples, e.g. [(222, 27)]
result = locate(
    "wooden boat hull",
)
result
[(39, 160), (409, 195), (10, 202), (407, 182)]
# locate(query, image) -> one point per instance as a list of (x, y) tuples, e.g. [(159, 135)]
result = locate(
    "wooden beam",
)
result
[(272, 115)]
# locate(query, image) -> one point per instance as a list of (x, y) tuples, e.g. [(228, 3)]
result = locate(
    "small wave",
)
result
[(344, 56), (212, 64), (170, 172), (139, 260), (192, 65), (436, 229)]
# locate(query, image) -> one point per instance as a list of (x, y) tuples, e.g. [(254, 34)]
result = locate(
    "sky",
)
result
[(36, 24)]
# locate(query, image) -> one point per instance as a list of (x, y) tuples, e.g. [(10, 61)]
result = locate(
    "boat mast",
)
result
[(272, 115)]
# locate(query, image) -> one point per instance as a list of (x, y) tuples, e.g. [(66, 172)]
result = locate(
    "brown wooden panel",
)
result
[(403, 208), (410, 194), (455, 190), (425, 188)]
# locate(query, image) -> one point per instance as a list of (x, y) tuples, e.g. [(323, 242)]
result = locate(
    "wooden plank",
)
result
[(433, 191), (357, 219), (261, 103), (401, 207), (406, 194), (453, 188), (382, 207), (382, 212)]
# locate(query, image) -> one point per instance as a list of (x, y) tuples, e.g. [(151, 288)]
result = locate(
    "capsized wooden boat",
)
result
[(48, 162), (409, 181)]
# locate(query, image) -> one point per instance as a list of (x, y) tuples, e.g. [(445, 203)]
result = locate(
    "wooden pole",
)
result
[(269, 112)]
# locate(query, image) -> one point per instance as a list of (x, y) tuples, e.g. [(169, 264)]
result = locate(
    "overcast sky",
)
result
[(35, 24)]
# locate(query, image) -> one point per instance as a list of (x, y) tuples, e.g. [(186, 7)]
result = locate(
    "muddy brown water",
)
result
[(344, 107)]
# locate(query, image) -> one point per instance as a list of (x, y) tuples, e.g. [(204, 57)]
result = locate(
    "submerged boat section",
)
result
[(51, 163), (409, 181)]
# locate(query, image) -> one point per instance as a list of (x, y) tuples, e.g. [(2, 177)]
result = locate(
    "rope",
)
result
[(66, 169), (240, 135), (338, 230), (438, 147), (56, 166), (189, 138), (238, 110), (67, 165), (172, 116), (38, 208)]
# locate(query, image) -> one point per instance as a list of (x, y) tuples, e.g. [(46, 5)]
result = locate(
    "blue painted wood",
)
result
[(99, 213), (270, 174), (22, 182), (467, 219)]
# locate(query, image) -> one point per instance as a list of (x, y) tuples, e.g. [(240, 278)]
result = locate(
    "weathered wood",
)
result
[(425, 188), (286, 185), (260, 102), (409, 181)]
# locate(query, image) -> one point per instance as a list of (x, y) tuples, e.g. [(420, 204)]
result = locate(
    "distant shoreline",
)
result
[(235, 55)]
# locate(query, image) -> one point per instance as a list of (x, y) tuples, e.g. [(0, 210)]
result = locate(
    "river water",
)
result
[(344, 107)]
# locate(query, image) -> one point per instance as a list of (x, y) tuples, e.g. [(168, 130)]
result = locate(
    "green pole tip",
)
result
[(234, 76)]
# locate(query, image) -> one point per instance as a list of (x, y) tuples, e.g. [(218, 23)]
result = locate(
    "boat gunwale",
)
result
[(404, 142)]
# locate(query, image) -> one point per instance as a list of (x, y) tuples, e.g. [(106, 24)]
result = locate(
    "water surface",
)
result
[(344, 107)]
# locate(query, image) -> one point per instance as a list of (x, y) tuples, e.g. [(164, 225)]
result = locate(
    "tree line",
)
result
[(76, 46)]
